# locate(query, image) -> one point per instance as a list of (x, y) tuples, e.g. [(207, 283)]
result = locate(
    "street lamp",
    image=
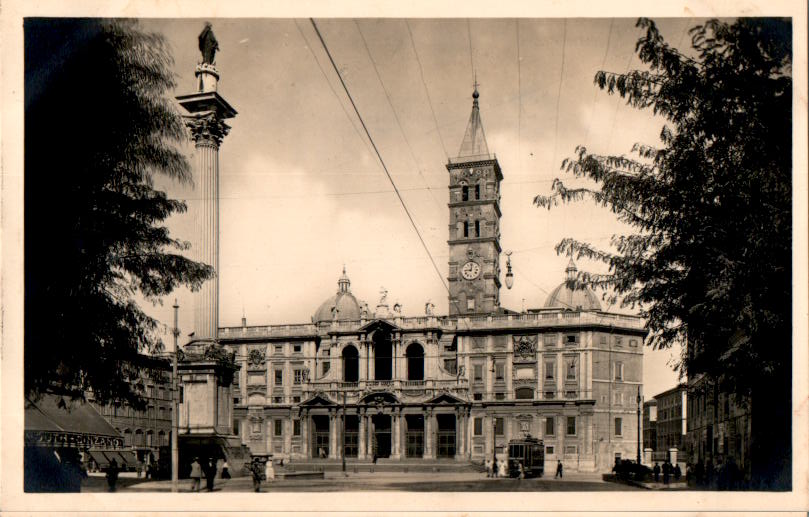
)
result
[(175, 453), (639, 401), (494, 424), (509, 274)]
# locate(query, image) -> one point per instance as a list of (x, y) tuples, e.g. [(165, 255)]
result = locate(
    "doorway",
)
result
[(382, 435), (320, 436), (446, 436), (414, 436)]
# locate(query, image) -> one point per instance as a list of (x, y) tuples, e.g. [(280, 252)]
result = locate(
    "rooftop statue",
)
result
[(208, 44)]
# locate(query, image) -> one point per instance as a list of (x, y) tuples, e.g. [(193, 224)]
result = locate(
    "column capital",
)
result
[(207, 129)]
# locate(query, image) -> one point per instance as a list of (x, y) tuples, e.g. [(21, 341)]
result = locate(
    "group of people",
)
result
[(496, 468), (207, 469), (718, 474), (668, 470)]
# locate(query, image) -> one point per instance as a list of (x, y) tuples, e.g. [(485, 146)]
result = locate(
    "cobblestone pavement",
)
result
[(407, 482)]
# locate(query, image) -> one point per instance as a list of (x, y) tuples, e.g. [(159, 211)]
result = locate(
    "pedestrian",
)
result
[(112, 474), (559, 470), (269, 471), (522, 471), (494, 467), (139, 468), (503, 472), (656, 471), (196, 475), (225, 470), (210, 474), (488, 468), (257, 472), (677, 472), (666, 472), (374, 458)]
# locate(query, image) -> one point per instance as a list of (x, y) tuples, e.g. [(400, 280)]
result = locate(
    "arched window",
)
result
[(383, 356), (477, 228), (161, 439), (466, 228), (477, 191), (351, 364), (127, 437), (150, 438), (524, 393), (464, 193), (415, 362), (139, 438)]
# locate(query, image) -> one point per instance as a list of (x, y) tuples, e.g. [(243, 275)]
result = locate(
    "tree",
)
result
[(98, 128), (710, 258)]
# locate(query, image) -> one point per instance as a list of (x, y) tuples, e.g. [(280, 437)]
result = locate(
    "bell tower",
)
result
[(474, 223)]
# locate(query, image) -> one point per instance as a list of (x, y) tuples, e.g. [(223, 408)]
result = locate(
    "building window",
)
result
[(296, 399), (571, 426), (499, 396), (619, 427), (602, 339), (499, 372), (279, 427), (279, 377), (618, 400), (478, 426), (499, 426), (296, 427), (571, 449), (464, 193), (477, 191), (570, 368), (550, 394), (571, 339), (524, 393), (279, 349), (550, 370), (477, 228), (466, 228), (478, 372), (477, 396), (470, 304), (278, 400), (549, 449), (619, 371), (235, 431), (550, 426), (326, 367), (298, 376), (549, 339), (451, 366), (571, 394), (296, 349)]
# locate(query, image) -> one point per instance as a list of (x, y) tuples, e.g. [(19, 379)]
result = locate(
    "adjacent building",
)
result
[(672, 418), (374, 383), (650, 425)]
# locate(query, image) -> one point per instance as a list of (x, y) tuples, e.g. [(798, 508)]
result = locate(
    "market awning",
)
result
[(48, 422)]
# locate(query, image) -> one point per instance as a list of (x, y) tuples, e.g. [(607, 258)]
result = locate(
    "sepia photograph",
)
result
[(454, 256)]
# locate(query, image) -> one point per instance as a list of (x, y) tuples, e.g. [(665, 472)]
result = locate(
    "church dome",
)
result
[(563, 297), (340, 306)]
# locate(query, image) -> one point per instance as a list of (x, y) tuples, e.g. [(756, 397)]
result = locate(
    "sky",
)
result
[(302, 193)]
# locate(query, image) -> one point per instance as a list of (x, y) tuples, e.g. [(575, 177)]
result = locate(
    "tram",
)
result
[(528, 452)]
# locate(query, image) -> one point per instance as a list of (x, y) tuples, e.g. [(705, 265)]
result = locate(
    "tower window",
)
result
[(477, 228), (466, 228), (477, 191), (464, 193)]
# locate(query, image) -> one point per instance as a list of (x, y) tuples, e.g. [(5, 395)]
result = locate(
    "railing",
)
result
[(550, 318)]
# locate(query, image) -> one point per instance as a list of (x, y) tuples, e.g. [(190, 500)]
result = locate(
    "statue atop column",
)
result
[(208, 44)]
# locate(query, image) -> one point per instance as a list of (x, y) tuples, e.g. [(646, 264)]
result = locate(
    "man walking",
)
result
[(559, 470), (112, 474), (656, 471)]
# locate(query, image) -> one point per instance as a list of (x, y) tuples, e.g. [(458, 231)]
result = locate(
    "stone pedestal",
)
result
[(647, 456)]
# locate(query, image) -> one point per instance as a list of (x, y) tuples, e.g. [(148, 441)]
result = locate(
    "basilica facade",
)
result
[(375, 383)]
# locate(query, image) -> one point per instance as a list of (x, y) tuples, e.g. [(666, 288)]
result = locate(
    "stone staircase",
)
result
[(382, 465)]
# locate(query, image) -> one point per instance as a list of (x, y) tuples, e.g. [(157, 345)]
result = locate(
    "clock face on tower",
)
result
[(470, 270)]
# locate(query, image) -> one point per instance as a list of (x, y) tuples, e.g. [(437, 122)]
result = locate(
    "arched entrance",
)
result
[(383, 355), (414, 437), (382, 435), (351, 364), (320, 436), (415, 362), (446, 436)]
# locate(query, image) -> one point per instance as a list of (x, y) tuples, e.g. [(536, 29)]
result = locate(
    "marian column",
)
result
[(206, 123)]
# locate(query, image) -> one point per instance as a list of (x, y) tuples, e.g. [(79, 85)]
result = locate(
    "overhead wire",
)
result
[(395, 115), (378, 154), (426, 90), (559, 94)]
